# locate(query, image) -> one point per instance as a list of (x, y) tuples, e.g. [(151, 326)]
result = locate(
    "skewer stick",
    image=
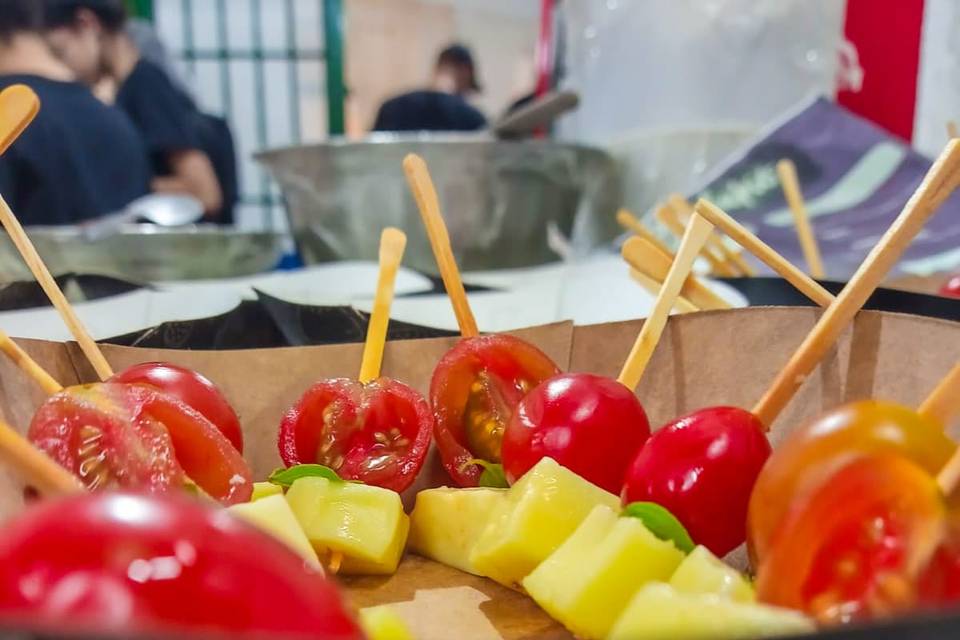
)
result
[(693, 241), (941, 180), (732, 259), (952, 130), (645, 258), (392, 243), (808, 242), (631, 223), (682, 305), (943, 403), (425, 194), (38, 469), (19, 105), (741, 235), (28, 365), (667, 216)]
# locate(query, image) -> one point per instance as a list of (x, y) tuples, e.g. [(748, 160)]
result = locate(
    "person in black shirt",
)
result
[(443, 107), (79, 159), (90, 36)]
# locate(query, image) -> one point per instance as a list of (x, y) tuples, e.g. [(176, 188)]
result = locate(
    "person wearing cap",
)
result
[(79, 159), (90, 36), (444, 106)]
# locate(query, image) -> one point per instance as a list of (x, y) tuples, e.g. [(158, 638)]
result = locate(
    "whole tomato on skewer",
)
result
[(951, 288)]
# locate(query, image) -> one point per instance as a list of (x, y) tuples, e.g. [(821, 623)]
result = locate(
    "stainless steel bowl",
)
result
[(502, 201), (147, 253)]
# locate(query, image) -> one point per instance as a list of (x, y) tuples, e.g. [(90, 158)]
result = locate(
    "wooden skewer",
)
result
[(952, 130), (693, 241), (733, 260), (943, 403), (28, 365), (941, 180), (790, 272), (41, 472), (392, 243), (631, 223), (19, 105), (682, 305), (667, 216), (425, 194), (645, 258), (808, 241)]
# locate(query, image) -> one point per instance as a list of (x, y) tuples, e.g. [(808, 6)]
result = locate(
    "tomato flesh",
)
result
[(377, 433), (951, 288), (589, 424), (702, 468), (812, 453), (474, 391), (132, 564), (854, 548), (194, 389)]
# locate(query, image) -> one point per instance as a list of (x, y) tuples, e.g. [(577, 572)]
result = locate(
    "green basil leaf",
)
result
[(492, 475), (661, 523), (286, 477)]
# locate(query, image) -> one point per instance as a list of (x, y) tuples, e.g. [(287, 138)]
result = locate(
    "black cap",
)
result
[(60, 13), (460, 56)]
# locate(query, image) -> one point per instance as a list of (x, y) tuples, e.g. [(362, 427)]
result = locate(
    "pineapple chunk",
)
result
[(274, 516), (702, 572), (383, 623), (659, 612), (446, 523), (264, 490), (589, 580), (366, 524), (540, 511)]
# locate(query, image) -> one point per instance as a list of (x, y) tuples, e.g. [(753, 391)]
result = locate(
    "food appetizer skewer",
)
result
[(668, 216), (787, 172), (644, 257), (735, 259), (631, 223)]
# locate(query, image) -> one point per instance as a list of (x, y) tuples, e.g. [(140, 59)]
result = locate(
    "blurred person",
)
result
[(442, 107), (90, 36), (80, 158)]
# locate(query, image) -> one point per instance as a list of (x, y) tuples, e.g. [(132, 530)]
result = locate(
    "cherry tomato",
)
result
[(377, 433), (132, 564), (133, 436), (589, 424), (474, 390), (194, 389), (854, 548), (951, 287), (702, 468), (813, 452)]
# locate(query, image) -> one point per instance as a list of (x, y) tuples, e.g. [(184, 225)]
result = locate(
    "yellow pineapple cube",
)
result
[(383, 623), (365, 524), (446, 523), (659, 612), (274, 516), (587, 582), (264, 490), (540, 511), (702, 572)]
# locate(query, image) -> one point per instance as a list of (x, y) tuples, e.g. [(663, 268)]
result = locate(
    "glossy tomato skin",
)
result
[(193, 388), (474, 391), (951, 288), (814, 451), (377, 433), (702, 468), (589, 424), (132, 564), (855, 549)]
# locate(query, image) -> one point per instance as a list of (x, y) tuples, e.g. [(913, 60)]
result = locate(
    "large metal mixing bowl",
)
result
[(502, 201), (148, 253)]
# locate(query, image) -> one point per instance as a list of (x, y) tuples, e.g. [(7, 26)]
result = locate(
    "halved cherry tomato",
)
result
[(191, 387), (377, 433), (137, 437), (474, 390), (135, 565), (813, 452), (951, 288), (854, 549)]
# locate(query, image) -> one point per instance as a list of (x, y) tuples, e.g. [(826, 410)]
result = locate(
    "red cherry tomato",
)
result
[(589, 424), (133, 436), (377, 433), (702, 468), (474, 390), (131, 564), (854, 549), (951, 287), (194, 389)]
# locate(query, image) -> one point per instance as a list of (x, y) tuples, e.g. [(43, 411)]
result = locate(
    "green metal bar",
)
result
[(292, 68), (186, 10), (141, 8), (333, 42), (259, 83), (251, 54), (226, 87)]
